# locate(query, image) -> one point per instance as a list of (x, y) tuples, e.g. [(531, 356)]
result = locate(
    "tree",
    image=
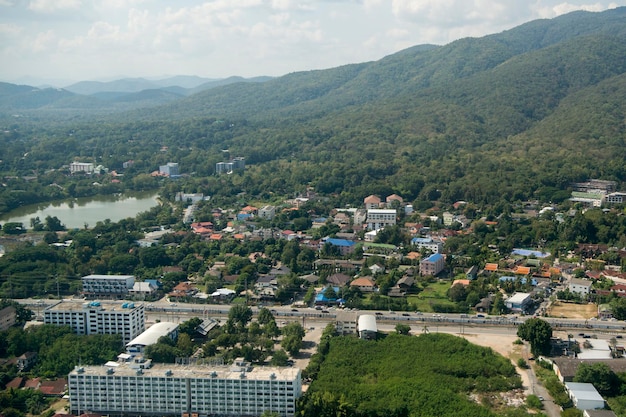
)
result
[(402, 328), (601, 376), (279, 358), (538, 333), (240, 315), (265, 316)]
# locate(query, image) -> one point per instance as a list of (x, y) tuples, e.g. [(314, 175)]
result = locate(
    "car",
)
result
[(480, 316), (541, 398), (294, 309), (619, 336), (581, 334), (325, 311), (318, 308), (378, 313), (406, 314)]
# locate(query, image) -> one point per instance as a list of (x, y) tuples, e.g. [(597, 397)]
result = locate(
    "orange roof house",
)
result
[(491, 267), (522, 270), (363, 283), (463, 282)]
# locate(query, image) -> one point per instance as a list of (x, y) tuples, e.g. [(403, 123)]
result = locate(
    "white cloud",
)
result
[(51, 6), (218, 38)]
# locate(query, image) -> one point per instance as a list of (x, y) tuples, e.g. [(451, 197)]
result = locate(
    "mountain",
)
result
[(512, 115)]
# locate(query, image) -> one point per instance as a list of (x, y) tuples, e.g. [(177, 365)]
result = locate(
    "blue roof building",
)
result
[(432, 265)]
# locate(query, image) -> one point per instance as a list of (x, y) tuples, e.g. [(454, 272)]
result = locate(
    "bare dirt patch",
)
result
[(572, 311)]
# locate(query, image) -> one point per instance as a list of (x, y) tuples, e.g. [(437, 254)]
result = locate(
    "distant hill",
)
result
[(512, 115)]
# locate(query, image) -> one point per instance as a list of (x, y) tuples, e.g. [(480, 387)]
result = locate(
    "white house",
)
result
[(580, 286)]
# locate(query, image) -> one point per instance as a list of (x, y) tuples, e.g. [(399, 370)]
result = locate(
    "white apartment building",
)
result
[(380, 218), (267, 212), (434, 246), (135, 389), (107, 286), (87, 167), (95, 317)]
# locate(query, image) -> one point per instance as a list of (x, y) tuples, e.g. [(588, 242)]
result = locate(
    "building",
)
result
[(432, 265), (267, 212), (372, 202), (434, 246), (170, 170), (518, 302), (86, 167), (140, 388), (584, 395), (580, 286), (616, 198), (151, 336), (238, 163), (114, 287), (367, 327), (346, 247), (95, 317), (8, 318), (346, 322), (380, 218)]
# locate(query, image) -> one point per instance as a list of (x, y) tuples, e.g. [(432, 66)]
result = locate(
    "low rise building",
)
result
[(580, 286), (367, 327), (114, 287), (152, 336), (584, 396), (518, 302), (381, 218), (140, 388)]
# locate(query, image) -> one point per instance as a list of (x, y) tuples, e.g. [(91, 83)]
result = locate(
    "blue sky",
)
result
[(62, 41)]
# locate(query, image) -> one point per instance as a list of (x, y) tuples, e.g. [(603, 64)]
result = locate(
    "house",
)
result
[(518, 302), (182, 291), (338, 279), (346, 322), (584, 395), (491, 267), (484, 306), (394, 197), (471, 272), (53, 388), (377, 269), (432, 265), (26, 360), (372, 202), (599, 413), (580, 286), (364, 284), (143, 289)]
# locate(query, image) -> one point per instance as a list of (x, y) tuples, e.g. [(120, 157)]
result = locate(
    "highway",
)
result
[(164, 310)]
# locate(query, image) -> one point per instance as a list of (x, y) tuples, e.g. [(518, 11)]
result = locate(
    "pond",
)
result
[(80, 212)]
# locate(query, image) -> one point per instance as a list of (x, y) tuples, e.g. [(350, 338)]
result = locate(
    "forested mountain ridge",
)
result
[(510, 116)]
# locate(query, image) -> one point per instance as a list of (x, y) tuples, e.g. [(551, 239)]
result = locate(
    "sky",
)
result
[(63, 41)]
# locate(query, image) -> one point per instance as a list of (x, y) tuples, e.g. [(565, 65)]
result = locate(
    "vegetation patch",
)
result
[(432, 374)]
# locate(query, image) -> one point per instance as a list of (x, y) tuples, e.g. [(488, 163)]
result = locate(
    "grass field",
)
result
[(435, 293), (573, 311)]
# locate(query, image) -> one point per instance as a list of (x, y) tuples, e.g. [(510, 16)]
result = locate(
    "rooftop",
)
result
[(79, 305), (194, 371)]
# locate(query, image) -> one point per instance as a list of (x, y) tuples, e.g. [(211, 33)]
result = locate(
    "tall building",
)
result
[(141, 388), (432, 265), (95, 317), (235, 164), (107, 286)]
